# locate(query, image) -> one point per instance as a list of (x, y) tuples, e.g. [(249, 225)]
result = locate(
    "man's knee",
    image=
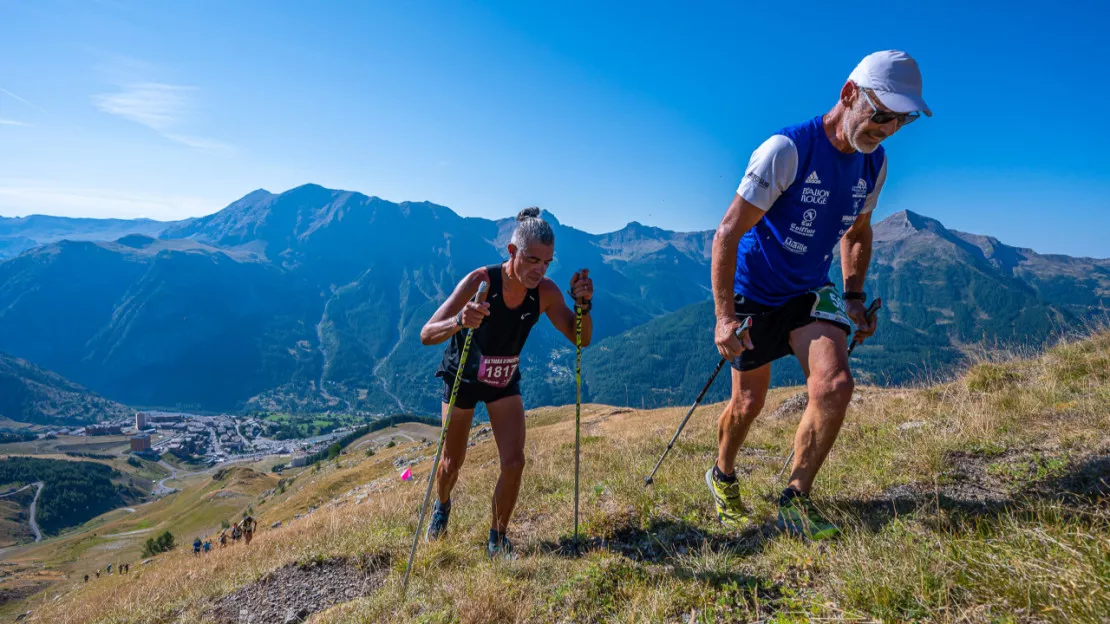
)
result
[(746, 406), (450, 466), (513, 464), (833, 388)]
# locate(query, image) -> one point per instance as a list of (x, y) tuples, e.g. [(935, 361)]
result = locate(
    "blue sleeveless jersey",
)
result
[(790, 250)]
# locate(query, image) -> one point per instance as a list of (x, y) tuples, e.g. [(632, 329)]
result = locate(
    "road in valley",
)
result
[(34, 503)]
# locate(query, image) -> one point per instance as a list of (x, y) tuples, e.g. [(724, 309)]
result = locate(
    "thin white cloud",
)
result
[(19, 197), (161, 107), (12, 122), (156, 105), (19, 99)]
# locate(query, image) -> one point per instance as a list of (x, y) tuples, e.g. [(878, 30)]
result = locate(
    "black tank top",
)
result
[(497, 343)]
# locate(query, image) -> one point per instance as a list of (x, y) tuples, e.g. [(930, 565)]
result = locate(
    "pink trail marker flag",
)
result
[(407, 474)]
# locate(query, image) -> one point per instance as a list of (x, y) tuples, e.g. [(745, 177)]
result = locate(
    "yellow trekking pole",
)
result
[(479, 297)]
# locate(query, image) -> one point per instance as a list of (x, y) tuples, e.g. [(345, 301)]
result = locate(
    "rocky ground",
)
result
[(291, 594)]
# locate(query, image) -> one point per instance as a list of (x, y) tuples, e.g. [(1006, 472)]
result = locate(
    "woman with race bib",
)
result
[(518, 294)]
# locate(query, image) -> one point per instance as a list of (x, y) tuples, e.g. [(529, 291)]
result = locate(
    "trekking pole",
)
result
[(650, 479), (577, 409), (480, 297), (871, 311)]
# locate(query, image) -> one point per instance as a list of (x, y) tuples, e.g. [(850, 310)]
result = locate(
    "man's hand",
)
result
[(865, 327), (728, 345), (473, 313), (582, 288)]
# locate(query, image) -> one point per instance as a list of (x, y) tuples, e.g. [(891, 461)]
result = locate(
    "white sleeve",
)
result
[(770, 171), (873, 196)]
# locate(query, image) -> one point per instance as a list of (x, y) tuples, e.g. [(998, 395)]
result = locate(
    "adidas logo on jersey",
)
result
[(813, 179)]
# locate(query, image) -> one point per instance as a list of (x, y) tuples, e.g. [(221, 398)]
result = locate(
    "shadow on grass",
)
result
[(664, 541), (969, 493), (679, 549)]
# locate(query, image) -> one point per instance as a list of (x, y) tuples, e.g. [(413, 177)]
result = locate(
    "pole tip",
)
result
[(648, 481)]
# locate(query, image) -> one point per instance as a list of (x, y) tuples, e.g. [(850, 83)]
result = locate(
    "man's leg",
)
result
[(749, 390), (454, 450), (822, 350), (506, 417)]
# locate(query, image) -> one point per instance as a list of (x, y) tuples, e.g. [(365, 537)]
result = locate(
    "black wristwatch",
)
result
[(855, 295), (458, 319), (585, 309)]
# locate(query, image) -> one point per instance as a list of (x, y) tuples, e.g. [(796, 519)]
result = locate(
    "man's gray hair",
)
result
[(530, 228)]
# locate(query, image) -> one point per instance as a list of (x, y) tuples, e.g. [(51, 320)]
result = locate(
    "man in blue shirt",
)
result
[(806, 188)]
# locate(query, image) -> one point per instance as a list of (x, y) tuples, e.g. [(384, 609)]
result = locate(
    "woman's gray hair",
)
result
[(530, 228)]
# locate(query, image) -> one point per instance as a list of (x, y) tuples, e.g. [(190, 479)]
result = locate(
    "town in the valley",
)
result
[(209, 439)]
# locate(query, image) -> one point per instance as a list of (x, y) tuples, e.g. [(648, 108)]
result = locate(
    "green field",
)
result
[(285, 426)]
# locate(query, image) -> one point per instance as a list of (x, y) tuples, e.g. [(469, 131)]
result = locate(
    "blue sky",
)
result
[(643, 111)]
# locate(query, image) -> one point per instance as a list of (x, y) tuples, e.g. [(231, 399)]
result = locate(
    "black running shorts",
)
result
[(472, 393), (771, 325)]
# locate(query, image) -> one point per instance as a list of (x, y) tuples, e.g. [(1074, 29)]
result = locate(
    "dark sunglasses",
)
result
[(884, 117)]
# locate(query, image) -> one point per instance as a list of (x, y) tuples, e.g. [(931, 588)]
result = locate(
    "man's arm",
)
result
[(771, 169), (855, 253), (740, 217), (443, 325), (561, 316), (855, 257)]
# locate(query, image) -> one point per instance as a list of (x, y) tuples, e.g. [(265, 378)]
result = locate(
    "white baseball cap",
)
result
[(894, 76)]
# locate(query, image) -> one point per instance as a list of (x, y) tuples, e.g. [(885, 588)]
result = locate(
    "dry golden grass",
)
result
[(978, 500)]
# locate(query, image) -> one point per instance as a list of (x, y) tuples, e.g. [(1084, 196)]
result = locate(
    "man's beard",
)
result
[(854, 136)]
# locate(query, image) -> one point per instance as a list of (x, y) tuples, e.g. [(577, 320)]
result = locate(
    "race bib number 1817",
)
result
[(497, 371)]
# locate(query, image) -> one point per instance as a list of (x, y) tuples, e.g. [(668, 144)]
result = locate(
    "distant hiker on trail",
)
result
[(108, 570), (207, 546), (98, 573), (196, 546), (223, 538), (518, 294), (806, 188), (236, 533), (249, 525), (86, 578)]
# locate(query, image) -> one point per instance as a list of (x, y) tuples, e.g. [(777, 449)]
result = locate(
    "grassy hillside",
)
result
[(31, 394), (14, 528), (117, 537), (982, 500)]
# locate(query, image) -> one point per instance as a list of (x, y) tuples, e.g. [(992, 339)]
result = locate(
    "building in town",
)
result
[(140, 442)]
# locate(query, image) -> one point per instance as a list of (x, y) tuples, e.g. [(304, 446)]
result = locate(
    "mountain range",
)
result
[(313, 299), (19, 234)]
